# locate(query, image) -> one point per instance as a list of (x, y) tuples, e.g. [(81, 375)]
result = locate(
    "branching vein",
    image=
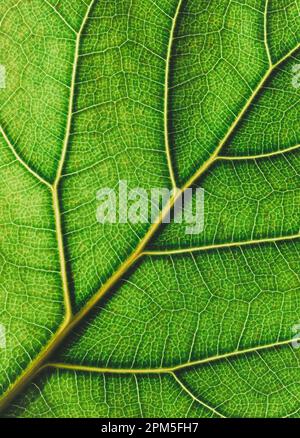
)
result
[(166, 103), (72, 321)]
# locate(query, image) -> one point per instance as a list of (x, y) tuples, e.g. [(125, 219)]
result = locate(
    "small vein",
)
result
[(60, 16), (201, 402), (21, 161)]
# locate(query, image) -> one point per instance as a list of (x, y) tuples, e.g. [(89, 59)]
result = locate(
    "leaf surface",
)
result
[(144, 320)]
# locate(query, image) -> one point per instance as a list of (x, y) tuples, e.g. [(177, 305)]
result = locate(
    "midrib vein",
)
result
[(70, 323)]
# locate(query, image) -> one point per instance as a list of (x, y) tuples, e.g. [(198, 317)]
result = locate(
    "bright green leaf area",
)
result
[(145, 320)]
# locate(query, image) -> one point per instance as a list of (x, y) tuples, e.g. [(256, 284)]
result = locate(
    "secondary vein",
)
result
[(72, 96), (220, 246), (166, 98), (258, 156), (56, 201), (172, 369), (266, 32)]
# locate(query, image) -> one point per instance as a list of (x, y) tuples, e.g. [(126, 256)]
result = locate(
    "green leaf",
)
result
[(145, 320)]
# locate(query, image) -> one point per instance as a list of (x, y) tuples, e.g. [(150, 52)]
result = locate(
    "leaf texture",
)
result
[(144, 320)]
